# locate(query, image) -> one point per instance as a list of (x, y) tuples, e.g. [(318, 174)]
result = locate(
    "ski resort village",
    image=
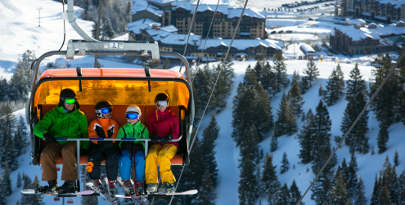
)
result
[(203, 102)]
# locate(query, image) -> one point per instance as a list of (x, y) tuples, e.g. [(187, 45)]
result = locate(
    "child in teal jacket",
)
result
[(133, 150)]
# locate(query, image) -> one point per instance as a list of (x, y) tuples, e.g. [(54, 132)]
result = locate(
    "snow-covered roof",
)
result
[(242, 44), (307, 48), (395, 3), (136, 26), (355, 22), (364, 32), (181, 39), (157, 12), (169, 28), (161, 1), (223, 8)]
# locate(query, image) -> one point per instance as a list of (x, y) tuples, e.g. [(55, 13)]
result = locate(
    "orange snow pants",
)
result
[(162, 155)]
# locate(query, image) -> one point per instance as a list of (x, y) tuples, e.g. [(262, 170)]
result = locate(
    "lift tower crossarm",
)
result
[(69, 14)]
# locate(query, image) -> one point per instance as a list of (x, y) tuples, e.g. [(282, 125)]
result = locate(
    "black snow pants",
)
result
[(111, 162)]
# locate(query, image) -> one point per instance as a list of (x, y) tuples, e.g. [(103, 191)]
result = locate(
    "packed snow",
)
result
[(19, 31)]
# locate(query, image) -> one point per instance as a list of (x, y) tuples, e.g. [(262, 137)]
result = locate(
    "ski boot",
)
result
[(139, 187), (112, 188), (52, 186), (97, 183), (129, 187), (151, 188), (166, 188), (67, 187)]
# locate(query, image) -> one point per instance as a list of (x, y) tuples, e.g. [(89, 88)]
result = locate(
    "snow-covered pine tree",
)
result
[(352, 175), (304, 84), (295, 194), (334, 88), (285, 164), (338, 193), (311, 71), (360, 193), (3, 197), (248, 184), (286, 122), (213, 127), (207, 148), (6, 184), (396, 162), (294, 94), (383, 137), (206, 194), (21, 136), (306, 138), (280, 71), (356, 84), (4, 90), (268, 80), (295, 78), (269, 183), (20, 82), (321, 92), (284, 196), (386, 104), (356, 140)]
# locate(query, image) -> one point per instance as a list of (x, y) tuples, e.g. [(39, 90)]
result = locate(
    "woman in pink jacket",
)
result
[(163, 125)]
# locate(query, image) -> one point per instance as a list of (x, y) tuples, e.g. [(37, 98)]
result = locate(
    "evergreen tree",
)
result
[(268, 79), (311, 71), (30, 199), (321, 92), (356, 84), (352, 175), (207, 193), (269, 182), (223, 86), (200, 90), (306, 138), (250, 147), (251, 106), (274, 142), (20, 137), (382, 139), (334, 88), (385, 105), (295, 194), (19, 180), (20, 82), (295, 78), (247, 184), (208, 154), (356, 139), (296, 99), (286, 121), (396, 162), (285, 164), (374, 195), (3, 197), (261, 54), (321, 188), (401, 189), (360, 193), (6, 184), (10, 154), (284, 196), (304, 84), (338, 193), (280, 70)]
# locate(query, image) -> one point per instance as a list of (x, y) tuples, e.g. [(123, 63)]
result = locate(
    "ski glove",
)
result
[(108, 144), (136, 147), (126, 145), (100, 132), (154, 138), (166, 138), (110, 132), (49, 138)]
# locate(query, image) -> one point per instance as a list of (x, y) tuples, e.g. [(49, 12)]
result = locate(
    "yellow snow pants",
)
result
[(162, 155)]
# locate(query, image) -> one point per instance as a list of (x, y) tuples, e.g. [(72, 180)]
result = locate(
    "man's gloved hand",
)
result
[(166, 138), (108, 144), (100, 132), (136, 147), (110, 132), (49, 138), (126, 145), (154, 138)]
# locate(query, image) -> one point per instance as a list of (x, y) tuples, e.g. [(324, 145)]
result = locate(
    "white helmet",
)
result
[(134, 109)]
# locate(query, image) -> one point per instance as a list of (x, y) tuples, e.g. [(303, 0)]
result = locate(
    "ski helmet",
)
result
[(103, 107), (67, 93), (162, 97), (133, 109)]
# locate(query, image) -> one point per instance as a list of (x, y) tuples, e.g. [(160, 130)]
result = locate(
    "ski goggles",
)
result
[(162, 103), (132, 116), (70, 100), (104, 110)]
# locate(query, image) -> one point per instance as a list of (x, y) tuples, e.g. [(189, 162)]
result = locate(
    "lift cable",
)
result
[(64, 27), (213, 89), (354, 123), (189, 30)]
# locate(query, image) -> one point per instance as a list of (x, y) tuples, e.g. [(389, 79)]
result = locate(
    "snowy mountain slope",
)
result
[(19, 32)]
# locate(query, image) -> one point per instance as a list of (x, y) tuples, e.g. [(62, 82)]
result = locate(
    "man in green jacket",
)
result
[(64, 121)]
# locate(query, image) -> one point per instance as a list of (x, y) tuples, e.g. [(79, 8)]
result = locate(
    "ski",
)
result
[(139, 200), (189, 192), (39, 192), (102, 193)]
